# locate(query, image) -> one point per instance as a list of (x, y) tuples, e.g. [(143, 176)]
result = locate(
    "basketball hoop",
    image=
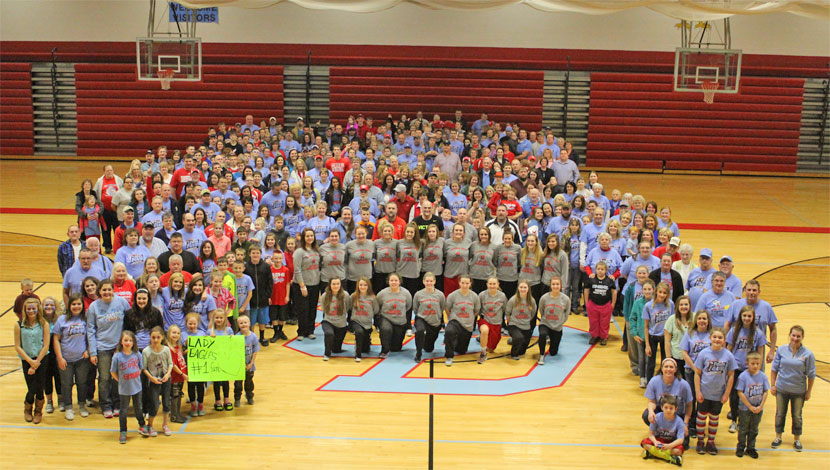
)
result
[(165, 77), (709, 89)]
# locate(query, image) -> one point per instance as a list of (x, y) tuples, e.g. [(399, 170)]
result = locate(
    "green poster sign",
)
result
[(214, 359)]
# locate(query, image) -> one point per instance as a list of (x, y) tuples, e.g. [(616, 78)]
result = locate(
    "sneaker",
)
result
[(729, 416), (510, 340), (122, 438), (70, 414), (382, 355), (593, 340), (448, 362), (643, 382), (482, 358), (797, 446), (417, 357), (739, 452), (646, 455), (752, 453), (733, 427), (701, 447), (83, 411), (282, 335), (166, 430), (515, 358), (711, 448), (325, 358), (218, 407), (228, 406), (300, 338), (250, 400), (265, 343), (116, 412), (237, 403), (603, 342), (541, 360), (357, 359), (143, 430), (312, 336), (107, 414), (90, 404), (776, 443), (274, 338), (61, 407), (50, 407), (409, 332), (194, 410), (201, 409), (153, 432), (677, 460)]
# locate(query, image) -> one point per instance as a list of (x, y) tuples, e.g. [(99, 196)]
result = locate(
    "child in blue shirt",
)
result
[(126, 370), (742, 338), (752, 390), (714, 374), (665, 434), (251, 350)]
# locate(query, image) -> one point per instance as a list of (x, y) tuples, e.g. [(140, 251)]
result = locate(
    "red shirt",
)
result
[(404, 206), (282, 279), (224, 299), (399, 225), (108, 189), (165, 278), (661, 250), (182, 176), (338, 167), (125, 290), (178, 360), (513, 207)]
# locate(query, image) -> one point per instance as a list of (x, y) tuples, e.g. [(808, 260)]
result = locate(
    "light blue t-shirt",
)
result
[(72, 336), (715, 367), (717, 305), (128, 369), (668, 431), (753, 386), (251, 347), (657, 314), (104, 323)]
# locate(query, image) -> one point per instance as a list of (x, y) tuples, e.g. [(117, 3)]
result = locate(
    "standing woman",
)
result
[(305, 287), (481, 260), (173, 295), (456, 259), (80, 201), (432, 256), (555, 262), (51, 315), (140, 319), (386, 255), (31, 341), (429, 304), (554, 308), (520, 311), (743, 338), (335, 304), (531, 263), (570, 243), (364, 307), (675, 329), (359, 254), (493, 303), (507, 260), (463, 306), (72, 356), (655, 314), (793, 375), (394, 302), (199, 300), (332, 258), (409, 264), (104, 323)]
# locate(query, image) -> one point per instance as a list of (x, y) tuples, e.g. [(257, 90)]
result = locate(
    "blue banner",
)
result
[(183, 15)]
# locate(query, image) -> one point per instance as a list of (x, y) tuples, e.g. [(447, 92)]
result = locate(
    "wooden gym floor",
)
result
[(776, 229)]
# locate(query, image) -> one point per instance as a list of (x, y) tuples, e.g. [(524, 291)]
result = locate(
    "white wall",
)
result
[(519, 26)]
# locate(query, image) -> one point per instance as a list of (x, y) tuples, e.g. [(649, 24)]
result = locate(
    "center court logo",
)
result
[(392, 375)]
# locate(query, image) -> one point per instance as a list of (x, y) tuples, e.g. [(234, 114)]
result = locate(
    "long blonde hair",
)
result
[(536, 252)]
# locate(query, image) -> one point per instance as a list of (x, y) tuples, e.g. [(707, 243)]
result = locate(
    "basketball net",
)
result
[(165, 77), (709, 89)]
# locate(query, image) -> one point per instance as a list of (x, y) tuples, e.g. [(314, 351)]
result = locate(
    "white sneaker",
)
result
[(325, 358), (83, 411), (733, 427), (541, 361), (448, 362), (70, 414), (643, 382), (312, 336), (61, 407), (50, 408), (409, 332)]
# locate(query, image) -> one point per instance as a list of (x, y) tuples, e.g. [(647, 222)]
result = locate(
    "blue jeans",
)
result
[(107, 393), (796, 403), (259, 315), (74, 374)]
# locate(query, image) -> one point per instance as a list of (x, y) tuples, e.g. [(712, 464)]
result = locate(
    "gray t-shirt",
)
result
[(555, 265), (456, 257), (507, 260), (359, 259), (364, 312), (409, 260), (492, 306), (554, 310), (306, 267), (481, 261), (432, 257), (386, 255), (520, 313), (157, 363), (430, 306), (463, 308), (332, 262), (394, 305), (333, 315), (530, 271)]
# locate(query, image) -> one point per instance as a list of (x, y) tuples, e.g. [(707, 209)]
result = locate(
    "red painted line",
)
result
[(755, 228), (37, 211)]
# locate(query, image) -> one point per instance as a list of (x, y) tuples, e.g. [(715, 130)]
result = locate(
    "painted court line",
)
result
[(382, 439)]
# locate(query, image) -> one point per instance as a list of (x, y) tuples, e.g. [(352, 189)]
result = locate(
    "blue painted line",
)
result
[(184, 425), (574, 444), (617, 325), (286, 436)]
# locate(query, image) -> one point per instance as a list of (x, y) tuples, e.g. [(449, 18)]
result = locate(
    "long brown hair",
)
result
[(340, 296), (684, 323), (356, 294), (739, 324)]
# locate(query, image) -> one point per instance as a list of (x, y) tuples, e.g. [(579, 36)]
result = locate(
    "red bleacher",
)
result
[(17, 136), (506, 95), (122, 116), (638, 121)]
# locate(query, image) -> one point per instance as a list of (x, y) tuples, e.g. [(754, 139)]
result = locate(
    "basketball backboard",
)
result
[(182, 55), (695, 67)]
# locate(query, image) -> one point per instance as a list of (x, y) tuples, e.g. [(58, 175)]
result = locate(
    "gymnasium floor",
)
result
[(581, 410)]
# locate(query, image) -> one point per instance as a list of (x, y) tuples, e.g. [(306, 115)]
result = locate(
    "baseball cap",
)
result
[(149, 225), (128, 209), (400, 188), (300, 118), (625, 203), (465, 159), (706, 253), (205, 191), (725, 257), (272, 118), (531, 158), (363, 187), (318, 156), (499, 174), (148, 152), (432, 173), (675, 241)]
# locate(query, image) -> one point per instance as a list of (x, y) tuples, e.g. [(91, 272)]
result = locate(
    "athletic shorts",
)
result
[(278, 312), (711, 407), (259, 315)]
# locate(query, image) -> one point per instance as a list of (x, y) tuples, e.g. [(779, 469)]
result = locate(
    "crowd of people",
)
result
[(409, 227)]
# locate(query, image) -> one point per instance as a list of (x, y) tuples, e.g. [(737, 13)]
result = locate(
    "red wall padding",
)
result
[(637, 120), (122, 116), (506, 95), (17, 135)]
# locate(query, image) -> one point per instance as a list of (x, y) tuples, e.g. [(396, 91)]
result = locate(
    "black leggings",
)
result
[(196, 391), (479, 285), (651, 361), (391, 336), (412, 285), (425, 335), (362, 338), (537, 292), (521, 340), (509, 288), (333, 338), (224, 387), (52, 373), (456, 339), (306, 308), (734, 400), (379, 281), (555, 338), (34, 382)]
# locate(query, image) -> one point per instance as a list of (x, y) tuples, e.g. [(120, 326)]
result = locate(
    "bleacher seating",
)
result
[(17, 136), (122, 116), (638, 121), (506, 95)]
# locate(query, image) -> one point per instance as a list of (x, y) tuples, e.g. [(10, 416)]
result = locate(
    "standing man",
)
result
[(106, 187), (192, 238), (564, 170), (68, 251)]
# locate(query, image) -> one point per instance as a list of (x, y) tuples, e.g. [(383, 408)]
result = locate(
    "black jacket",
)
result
[(263, 283), (676, 283)]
